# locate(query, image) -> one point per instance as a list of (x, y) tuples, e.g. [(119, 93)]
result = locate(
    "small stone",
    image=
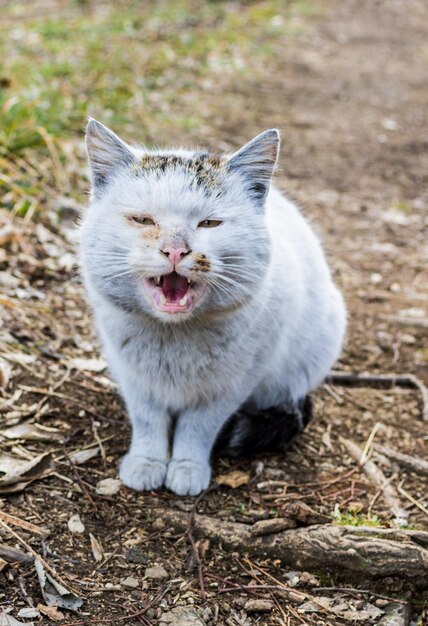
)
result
[(75, 524), (309, 607), (381, 602), (136, 555), (308, 579), (129, 583), (108, 487), (376, 278), (156, 573), (111, 587), (258, 605), (158, 524), (181, 616)]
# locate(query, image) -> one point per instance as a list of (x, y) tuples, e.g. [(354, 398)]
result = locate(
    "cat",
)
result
[(213, 301)]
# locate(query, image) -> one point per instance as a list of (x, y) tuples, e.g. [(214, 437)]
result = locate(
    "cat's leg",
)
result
[(189, 470), (144, 466)]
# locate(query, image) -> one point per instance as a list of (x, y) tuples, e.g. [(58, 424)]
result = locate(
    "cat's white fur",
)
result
[(267, 329)]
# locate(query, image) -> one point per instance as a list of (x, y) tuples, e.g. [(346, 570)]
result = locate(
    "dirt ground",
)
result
[(352, 103)]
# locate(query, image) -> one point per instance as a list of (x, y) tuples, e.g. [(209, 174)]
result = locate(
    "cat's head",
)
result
[(177, 233)]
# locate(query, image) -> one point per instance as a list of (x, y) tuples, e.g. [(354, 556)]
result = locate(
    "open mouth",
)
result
[(173, 293)]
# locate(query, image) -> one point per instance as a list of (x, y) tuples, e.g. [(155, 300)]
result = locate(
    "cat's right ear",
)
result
[(256, 162), (106, 154)]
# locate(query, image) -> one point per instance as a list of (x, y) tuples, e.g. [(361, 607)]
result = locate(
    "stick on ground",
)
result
[(386, 381), (377, 477), (414, 463)]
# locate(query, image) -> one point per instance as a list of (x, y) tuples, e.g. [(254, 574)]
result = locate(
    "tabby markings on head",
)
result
[(206, 169)]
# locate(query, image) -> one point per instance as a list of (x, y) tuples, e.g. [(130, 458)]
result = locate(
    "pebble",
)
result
[(75, 524), (130, 583), (381, 602), (258, 605), (136, 555), (181, 616), (156, 573), (308, 579), (108, 487)]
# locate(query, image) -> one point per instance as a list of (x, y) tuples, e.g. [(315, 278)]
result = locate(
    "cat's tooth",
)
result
[(157, 280), (163, 300), (183, 300)]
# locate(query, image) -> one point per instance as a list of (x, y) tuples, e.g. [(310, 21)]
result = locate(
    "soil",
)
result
[(351, 101)]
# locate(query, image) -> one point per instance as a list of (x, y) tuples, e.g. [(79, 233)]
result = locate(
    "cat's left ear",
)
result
[(256, 162), (107, 153)]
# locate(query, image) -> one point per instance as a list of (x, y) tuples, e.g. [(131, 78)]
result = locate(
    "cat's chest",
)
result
[(188, 364)]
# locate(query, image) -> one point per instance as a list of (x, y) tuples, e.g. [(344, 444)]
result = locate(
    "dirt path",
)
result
[(351, 100)]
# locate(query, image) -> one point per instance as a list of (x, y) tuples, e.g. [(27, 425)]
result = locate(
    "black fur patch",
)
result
[(251, 432)]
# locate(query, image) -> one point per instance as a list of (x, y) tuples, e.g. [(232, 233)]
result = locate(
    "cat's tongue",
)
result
[(174, 287)]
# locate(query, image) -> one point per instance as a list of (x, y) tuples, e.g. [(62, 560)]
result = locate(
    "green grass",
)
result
[(357, 519), (354, 517), (151, 70)]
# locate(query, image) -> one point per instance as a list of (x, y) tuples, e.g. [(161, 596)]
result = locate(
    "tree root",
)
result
[(353, 554)]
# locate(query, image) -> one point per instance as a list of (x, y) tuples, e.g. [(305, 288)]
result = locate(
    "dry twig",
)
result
[(189, 537), (413, 463), (46, 565), (80, 481), (386, 381), (413, 500), (377, 477), (13, 555), (16, 521)]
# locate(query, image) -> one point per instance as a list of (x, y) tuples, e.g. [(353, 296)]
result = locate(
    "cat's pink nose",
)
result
[(175, 254)]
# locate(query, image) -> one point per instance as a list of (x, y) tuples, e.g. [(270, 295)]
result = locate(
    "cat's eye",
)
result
[(209, 223), (141, 219)]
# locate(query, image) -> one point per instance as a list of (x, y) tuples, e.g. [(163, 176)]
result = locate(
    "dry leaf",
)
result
[(29, 612), (51, 612), (7, 620), (5, 373), (75, 524), (108, 487), (233, 479), (18, 473), (17, 521), (3, 564), (32, 432), (54, 593), (97, 549), (88, 365), (81, 456), (19, 357)]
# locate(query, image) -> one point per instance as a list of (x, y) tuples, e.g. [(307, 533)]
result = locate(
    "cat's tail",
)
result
[(251, 432)]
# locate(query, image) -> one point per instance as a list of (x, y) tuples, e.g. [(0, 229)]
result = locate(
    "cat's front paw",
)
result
[(187, 478), (142, 473)]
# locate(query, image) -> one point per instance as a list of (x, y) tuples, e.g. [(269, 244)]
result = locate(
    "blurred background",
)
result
[(343, 80), (162, 72)]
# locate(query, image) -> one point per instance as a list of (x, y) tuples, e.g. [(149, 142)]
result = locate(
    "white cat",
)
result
[(212, 298)]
